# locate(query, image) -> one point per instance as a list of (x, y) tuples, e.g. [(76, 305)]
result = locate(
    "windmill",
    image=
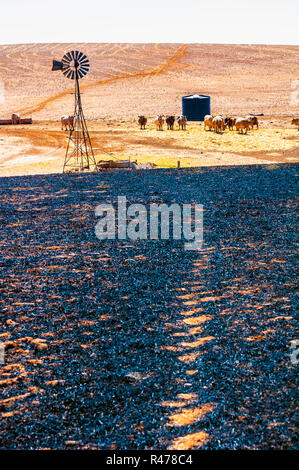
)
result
[(79, 153)]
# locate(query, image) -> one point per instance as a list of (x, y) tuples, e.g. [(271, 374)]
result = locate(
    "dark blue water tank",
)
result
[(195, 107)]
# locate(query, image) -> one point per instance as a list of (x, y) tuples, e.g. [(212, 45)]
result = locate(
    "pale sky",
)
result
[(186, 21)]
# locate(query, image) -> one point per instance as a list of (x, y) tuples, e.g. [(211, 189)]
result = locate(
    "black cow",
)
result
[(142, 122), (230, 122), (170, 120)]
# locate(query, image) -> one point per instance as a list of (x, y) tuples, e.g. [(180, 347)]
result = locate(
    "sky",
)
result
[(144, 21)]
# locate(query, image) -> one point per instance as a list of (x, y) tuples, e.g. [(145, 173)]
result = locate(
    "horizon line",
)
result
[(148, 42)]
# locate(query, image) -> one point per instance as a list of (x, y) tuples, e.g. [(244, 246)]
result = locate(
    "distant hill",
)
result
[(129, 79)]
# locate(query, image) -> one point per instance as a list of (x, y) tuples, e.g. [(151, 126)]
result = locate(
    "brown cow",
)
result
[(142, 120), (208, 121), (253, 121), (159, 123), (67, 122), (243, 124), (295, 121)]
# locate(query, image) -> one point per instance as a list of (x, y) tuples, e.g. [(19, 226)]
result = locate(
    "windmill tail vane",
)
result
[(79, 153)]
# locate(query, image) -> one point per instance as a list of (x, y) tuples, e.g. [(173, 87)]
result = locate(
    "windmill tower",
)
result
[(79, 153)]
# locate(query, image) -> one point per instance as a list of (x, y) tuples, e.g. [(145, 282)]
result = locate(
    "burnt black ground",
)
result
[(108, 310)]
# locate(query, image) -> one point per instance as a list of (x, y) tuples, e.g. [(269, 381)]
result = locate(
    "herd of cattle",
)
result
[(217, 123), (161, 120)]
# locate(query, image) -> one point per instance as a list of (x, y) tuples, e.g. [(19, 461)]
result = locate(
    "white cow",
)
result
[(218, 123), (182, 121), (16, 118)]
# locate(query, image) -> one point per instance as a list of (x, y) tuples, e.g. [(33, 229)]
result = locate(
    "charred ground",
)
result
[(133, 345)]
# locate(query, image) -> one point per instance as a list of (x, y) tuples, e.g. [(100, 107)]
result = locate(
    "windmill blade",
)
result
[(66, 60), (84, 71), (69, 56), (84, 67), (69, 74), (65, 67), (65, 63)]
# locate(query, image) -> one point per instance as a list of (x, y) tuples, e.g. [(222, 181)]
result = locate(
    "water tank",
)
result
[(195, 107)]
